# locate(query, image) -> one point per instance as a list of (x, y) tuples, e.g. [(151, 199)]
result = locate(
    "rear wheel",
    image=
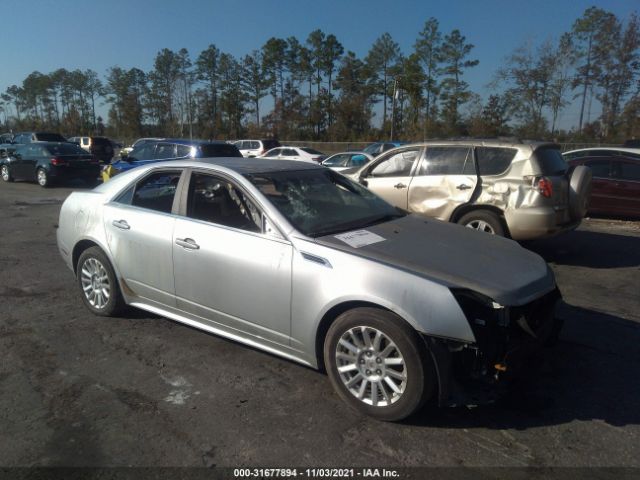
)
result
[(6, 173), (378, 364), (42, 177), (483, 220), (98, 283)]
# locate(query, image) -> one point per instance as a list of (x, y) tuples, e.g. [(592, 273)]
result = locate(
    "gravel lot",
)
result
[(79, 390)]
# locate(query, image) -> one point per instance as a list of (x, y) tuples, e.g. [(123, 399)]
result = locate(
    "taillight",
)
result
[(544, 186), (58, 161)]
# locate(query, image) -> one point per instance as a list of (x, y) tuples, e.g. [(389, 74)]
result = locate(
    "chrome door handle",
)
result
[(121, 224), (463, 187), (189, 243), (399, 186)]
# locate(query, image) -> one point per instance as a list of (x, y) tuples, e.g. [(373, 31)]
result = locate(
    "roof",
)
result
[(194, 142), (245, 166)]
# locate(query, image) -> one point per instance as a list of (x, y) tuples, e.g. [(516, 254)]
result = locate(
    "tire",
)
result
[(98, 284), (484, 221), (579, 192), (42, 177), (6, 173), (363, 364)]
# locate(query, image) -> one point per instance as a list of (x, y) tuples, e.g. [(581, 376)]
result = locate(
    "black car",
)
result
[(47, 162)]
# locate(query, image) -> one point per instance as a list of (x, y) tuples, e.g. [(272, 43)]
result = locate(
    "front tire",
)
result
[(484, 221), (6, 173), (98, 284), (378, 364)]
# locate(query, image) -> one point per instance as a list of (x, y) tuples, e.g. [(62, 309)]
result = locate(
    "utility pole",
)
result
[(393, 107)]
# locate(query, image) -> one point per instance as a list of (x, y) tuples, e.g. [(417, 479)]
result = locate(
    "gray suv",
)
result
[(520, 190)]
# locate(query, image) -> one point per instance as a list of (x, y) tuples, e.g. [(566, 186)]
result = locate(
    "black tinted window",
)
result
[(397, 165), (165, 150), (50, 137), (219, 150), (156, 191), (599, 168), (550, 161), (269, 144), (446, 161), (627, 171), (495, 160), (215, 200), (65, 149)]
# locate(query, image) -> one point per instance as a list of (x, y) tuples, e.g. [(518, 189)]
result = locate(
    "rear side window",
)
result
[(311, 151), (446, 161), (165, 150), (154, 192), (66, 149), (50, 137), (550, 161), (220, 150), (627, 171), (496, 160), (599, 168)]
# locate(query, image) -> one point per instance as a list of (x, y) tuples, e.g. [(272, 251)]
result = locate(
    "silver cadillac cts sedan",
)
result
[(300, 261)]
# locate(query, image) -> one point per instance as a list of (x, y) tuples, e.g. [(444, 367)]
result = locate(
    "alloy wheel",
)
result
[(5, 173), (95, 283), (480, 225), (371, 366), (42, 177)]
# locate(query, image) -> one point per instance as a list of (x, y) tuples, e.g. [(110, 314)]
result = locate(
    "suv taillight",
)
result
[(543, 185)]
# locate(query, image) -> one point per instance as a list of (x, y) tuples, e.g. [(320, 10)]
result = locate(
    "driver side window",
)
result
[(216, 200), (398, 164)]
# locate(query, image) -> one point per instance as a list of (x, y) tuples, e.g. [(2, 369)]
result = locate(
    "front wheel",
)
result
[(378, 364), (484, 221), (6, 173)]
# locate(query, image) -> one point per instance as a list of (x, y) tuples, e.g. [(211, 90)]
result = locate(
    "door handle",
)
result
[(188, 243), (463, 187), (121, 224), (399, 186)]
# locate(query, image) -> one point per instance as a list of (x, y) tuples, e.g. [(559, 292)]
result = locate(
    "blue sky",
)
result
[(45, 35)]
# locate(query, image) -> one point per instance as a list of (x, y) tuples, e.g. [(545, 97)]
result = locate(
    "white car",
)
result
[(345, 160), (255, 148), (303, 154)]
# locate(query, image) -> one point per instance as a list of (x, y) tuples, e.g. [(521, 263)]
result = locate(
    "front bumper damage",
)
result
[(476, 373)]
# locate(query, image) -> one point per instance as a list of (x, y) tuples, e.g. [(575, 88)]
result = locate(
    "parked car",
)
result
[(6, 144), (303, 154), (300, 261), (29, 137), (346, 160), (168, 149), (48, 162), (141, 141), (520, 190), (377, 148), (100, 147), (616, 179), (255, 148)]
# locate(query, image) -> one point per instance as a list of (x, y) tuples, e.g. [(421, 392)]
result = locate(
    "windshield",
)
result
[(550, 161), (373, 148), (321, 202)]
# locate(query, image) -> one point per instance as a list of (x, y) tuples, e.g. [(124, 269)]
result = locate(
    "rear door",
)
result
[(390, 175), (446, 178), (139, 228)]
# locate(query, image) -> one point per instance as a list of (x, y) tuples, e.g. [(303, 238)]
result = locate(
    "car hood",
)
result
[(457, 257)]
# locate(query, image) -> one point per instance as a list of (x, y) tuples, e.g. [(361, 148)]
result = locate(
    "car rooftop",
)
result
[(242, 165)]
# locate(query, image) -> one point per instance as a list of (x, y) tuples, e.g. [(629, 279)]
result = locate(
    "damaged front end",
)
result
[(505, 337)]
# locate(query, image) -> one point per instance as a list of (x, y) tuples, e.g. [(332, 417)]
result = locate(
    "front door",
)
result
[(227, 271), (390, 175)]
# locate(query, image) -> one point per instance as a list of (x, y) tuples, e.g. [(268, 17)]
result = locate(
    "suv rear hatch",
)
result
[(552, 180)]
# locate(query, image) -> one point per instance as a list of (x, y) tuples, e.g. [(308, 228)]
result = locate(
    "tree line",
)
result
[(319, 91)]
